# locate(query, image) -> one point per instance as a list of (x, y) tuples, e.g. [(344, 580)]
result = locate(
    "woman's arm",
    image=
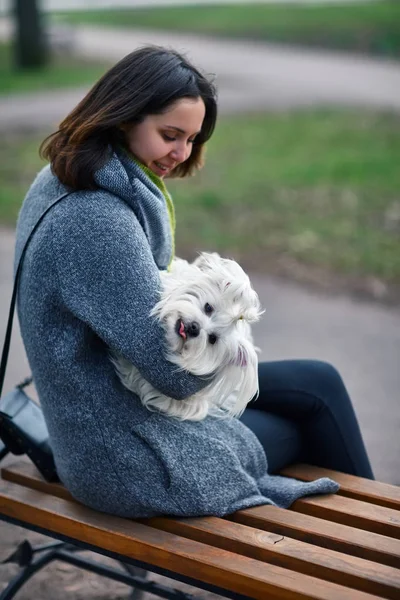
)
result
[(109, 280)]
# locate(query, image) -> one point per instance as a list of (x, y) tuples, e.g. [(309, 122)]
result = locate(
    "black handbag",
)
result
[(23, 429)]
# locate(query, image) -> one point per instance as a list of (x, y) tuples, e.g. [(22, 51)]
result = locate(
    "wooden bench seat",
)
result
[(326, 547)]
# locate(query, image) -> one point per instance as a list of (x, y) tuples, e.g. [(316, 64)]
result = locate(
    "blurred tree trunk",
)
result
[(30, 49)]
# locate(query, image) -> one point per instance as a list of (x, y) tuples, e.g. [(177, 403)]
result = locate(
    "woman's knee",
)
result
[(325, 374), (326, 384), (298, 374), (300, 388)]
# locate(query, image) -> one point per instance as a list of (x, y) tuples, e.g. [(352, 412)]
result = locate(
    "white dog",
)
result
[(206, 308)]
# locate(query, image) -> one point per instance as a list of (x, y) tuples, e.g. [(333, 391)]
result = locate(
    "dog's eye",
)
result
[(208, 309), (212, 338)]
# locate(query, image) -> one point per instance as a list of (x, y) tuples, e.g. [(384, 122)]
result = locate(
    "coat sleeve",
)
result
[(109, 280)]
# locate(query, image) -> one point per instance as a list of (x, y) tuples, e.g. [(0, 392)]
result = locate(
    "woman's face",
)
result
[(162, 142)]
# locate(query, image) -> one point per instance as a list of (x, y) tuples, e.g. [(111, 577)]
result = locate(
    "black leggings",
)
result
[(304, 414)]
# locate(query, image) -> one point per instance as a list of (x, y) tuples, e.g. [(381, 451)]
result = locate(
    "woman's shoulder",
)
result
[(47, 191), (83, 213)]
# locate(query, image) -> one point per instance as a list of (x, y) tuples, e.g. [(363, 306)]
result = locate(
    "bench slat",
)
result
[(288, 553), (363, 544), (26, 474), (334, 536), (359, 488), (186, 557), (333, 508), (361, 515)]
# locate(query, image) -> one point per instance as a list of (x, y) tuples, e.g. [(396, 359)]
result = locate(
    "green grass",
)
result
[(320, 188), (372, 27), (62, 72), (19, 163)]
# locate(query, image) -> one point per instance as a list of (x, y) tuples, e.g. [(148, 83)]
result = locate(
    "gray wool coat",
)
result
[(90, 278)]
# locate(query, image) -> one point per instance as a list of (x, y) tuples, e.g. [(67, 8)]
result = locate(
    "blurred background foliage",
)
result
[(366, 27), (281, 191)]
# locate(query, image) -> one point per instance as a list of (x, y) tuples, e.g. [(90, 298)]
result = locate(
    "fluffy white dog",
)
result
[(206, 308)]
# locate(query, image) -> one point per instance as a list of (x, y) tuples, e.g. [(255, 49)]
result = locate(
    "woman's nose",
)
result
[(180, 153)]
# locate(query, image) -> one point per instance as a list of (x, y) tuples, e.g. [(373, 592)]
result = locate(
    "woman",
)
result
[(90, 279)]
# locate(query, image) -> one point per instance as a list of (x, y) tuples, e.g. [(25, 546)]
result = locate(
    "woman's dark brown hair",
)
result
[(143, 83)]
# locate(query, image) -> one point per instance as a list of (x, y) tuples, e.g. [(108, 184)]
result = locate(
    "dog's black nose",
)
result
[(193, 329)]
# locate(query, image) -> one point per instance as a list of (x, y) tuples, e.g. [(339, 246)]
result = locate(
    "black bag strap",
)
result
[(7, 340)]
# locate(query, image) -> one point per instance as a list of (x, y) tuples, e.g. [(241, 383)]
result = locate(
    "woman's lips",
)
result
[(161, 169)]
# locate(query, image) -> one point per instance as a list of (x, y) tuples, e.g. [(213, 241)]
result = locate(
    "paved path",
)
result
[(361, 340), (250, 75)]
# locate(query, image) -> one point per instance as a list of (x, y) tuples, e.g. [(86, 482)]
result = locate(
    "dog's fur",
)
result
[(206, 308)]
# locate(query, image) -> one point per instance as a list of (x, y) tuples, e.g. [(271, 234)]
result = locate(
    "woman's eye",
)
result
[(208, 309), (169, 138), (212, 338)]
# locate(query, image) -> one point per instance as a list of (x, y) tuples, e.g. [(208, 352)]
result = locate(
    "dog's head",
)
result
[(206, 308)]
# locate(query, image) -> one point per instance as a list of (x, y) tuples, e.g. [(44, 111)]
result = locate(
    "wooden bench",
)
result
[(325, 547)]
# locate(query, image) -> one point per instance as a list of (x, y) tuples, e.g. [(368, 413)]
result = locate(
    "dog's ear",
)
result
[(241, 358)]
